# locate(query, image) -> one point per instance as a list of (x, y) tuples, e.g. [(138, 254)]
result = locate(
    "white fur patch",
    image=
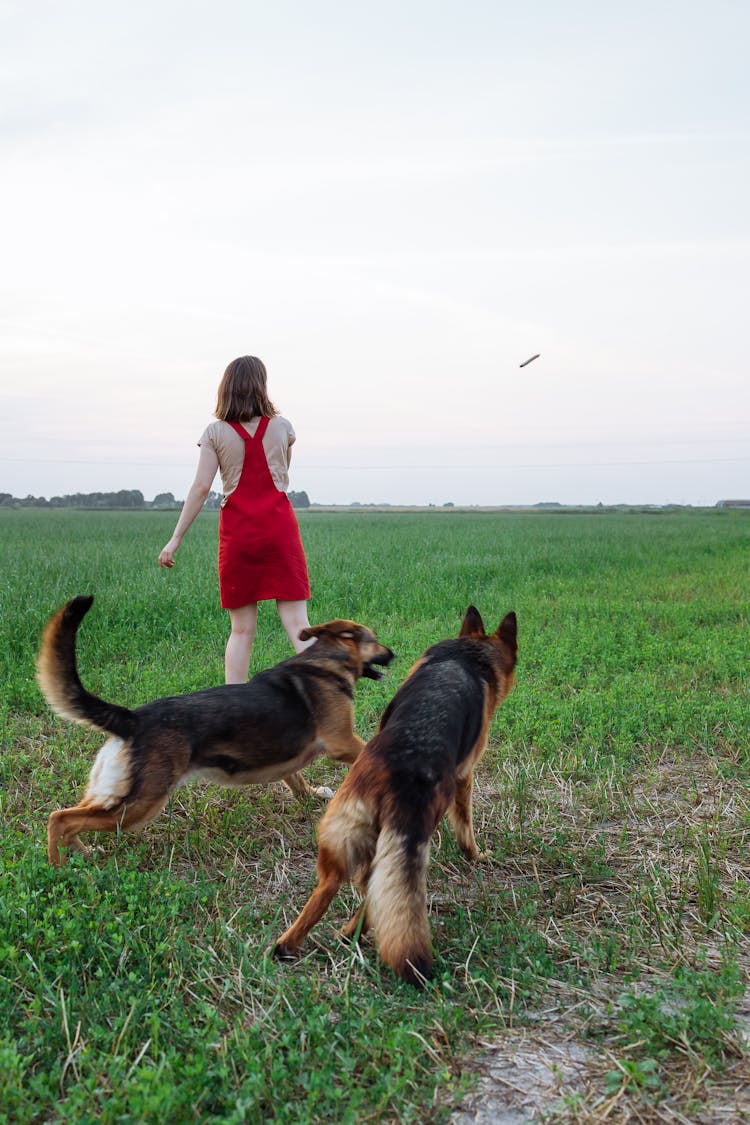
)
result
[(109, 780), (349, 832)]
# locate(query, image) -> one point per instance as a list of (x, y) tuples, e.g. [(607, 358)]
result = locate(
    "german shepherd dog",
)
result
[(376, 831), (236, 734)]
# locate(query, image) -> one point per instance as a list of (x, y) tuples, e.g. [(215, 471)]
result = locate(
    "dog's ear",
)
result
[(311, 631), (345, 630), (472, 625), (507, 631)]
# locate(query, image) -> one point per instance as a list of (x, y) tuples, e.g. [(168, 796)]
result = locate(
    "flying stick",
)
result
[(527, 361)]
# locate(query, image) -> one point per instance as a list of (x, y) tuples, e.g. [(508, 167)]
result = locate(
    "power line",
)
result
[(392, 467)]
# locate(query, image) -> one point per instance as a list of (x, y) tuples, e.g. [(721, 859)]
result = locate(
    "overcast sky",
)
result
[(394, 205)]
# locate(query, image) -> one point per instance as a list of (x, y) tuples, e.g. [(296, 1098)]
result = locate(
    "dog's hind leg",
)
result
[(358, 924), (330, 878), (361, 920), (65, 824)]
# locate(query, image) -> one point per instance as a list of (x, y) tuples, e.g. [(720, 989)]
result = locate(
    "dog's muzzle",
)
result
[(373, 668)]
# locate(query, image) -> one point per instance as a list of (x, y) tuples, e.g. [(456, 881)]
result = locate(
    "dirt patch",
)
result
[(529, 1078), (522, 1079)]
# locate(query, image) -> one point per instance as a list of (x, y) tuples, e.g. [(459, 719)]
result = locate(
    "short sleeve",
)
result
[(208, 438)]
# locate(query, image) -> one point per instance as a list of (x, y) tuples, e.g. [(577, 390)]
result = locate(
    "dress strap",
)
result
[(259, 431)]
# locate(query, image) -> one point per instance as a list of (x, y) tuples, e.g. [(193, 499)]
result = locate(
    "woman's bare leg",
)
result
[(294, 619), (240, 643)]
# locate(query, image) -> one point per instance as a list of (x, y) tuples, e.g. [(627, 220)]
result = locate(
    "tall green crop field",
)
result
[(613, 911)]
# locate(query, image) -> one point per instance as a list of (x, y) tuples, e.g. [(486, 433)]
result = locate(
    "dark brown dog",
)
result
[(237, 734), (376, 831)]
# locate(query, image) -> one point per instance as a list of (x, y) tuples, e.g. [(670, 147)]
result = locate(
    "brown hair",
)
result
[(242, 391)]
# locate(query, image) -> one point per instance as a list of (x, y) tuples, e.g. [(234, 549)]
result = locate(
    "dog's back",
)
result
[(434, 720)]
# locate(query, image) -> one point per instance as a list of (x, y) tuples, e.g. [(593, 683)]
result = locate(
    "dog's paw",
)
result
[(282, 952), (322, 791), (475, 856)]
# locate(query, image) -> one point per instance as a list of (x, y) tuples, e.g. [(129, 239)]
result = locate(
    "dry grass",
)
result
[(671, 842)]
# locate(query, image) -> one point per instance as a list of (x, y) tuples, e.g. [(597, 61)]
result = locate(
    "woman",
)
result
[(260, 550)]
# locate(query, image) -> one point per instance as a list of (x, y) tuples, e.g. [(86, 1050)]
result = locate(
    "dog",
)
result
[(237, 734), (376, 831)]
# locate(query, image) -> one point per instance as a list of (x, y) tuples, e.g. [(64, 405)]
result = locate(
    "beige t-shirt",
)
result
[(230, 450)]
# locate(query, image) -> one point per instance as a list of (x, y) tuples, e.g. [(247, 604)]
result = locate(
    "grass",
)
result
[(613, 802)]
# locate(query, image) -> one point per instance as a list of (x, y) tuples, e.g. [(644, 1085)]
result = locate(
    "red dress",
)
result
[(260, 549)]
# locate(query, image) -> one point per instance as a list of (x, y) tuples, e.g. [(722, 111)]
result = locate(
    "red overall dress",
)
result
[(260, 549)]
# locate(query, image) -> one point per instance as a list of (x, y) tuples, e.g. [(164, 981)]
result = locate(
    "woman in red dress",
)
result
[(260, 550)]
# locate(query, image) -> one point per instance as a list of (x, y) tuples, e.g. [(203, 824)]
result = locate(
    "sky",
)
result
[(393, 205)]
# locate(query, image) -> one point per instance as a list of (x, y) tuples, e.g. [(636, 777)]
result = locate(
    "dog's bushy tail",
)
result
[(396, 895), (57, 674)]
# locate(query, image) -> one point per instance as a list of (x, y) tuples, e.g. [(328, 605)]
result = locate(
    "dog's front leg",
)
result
[(460, 817), (346, 749)]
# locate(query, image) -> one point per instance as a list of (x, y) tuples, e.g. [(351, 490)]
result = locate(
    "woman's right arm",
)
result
[(208, 464)]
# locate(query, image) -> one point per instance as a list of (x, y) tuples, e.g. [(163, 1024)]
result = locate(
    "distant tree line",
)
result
[(126, 498)]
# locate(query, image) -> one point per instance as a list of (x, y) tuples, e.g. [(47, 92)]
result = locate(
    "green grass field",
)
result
[(613, 914)]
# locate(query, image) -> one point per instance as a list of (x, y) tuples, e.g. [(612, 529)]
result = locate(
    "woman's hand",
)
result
[(166, 557)]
